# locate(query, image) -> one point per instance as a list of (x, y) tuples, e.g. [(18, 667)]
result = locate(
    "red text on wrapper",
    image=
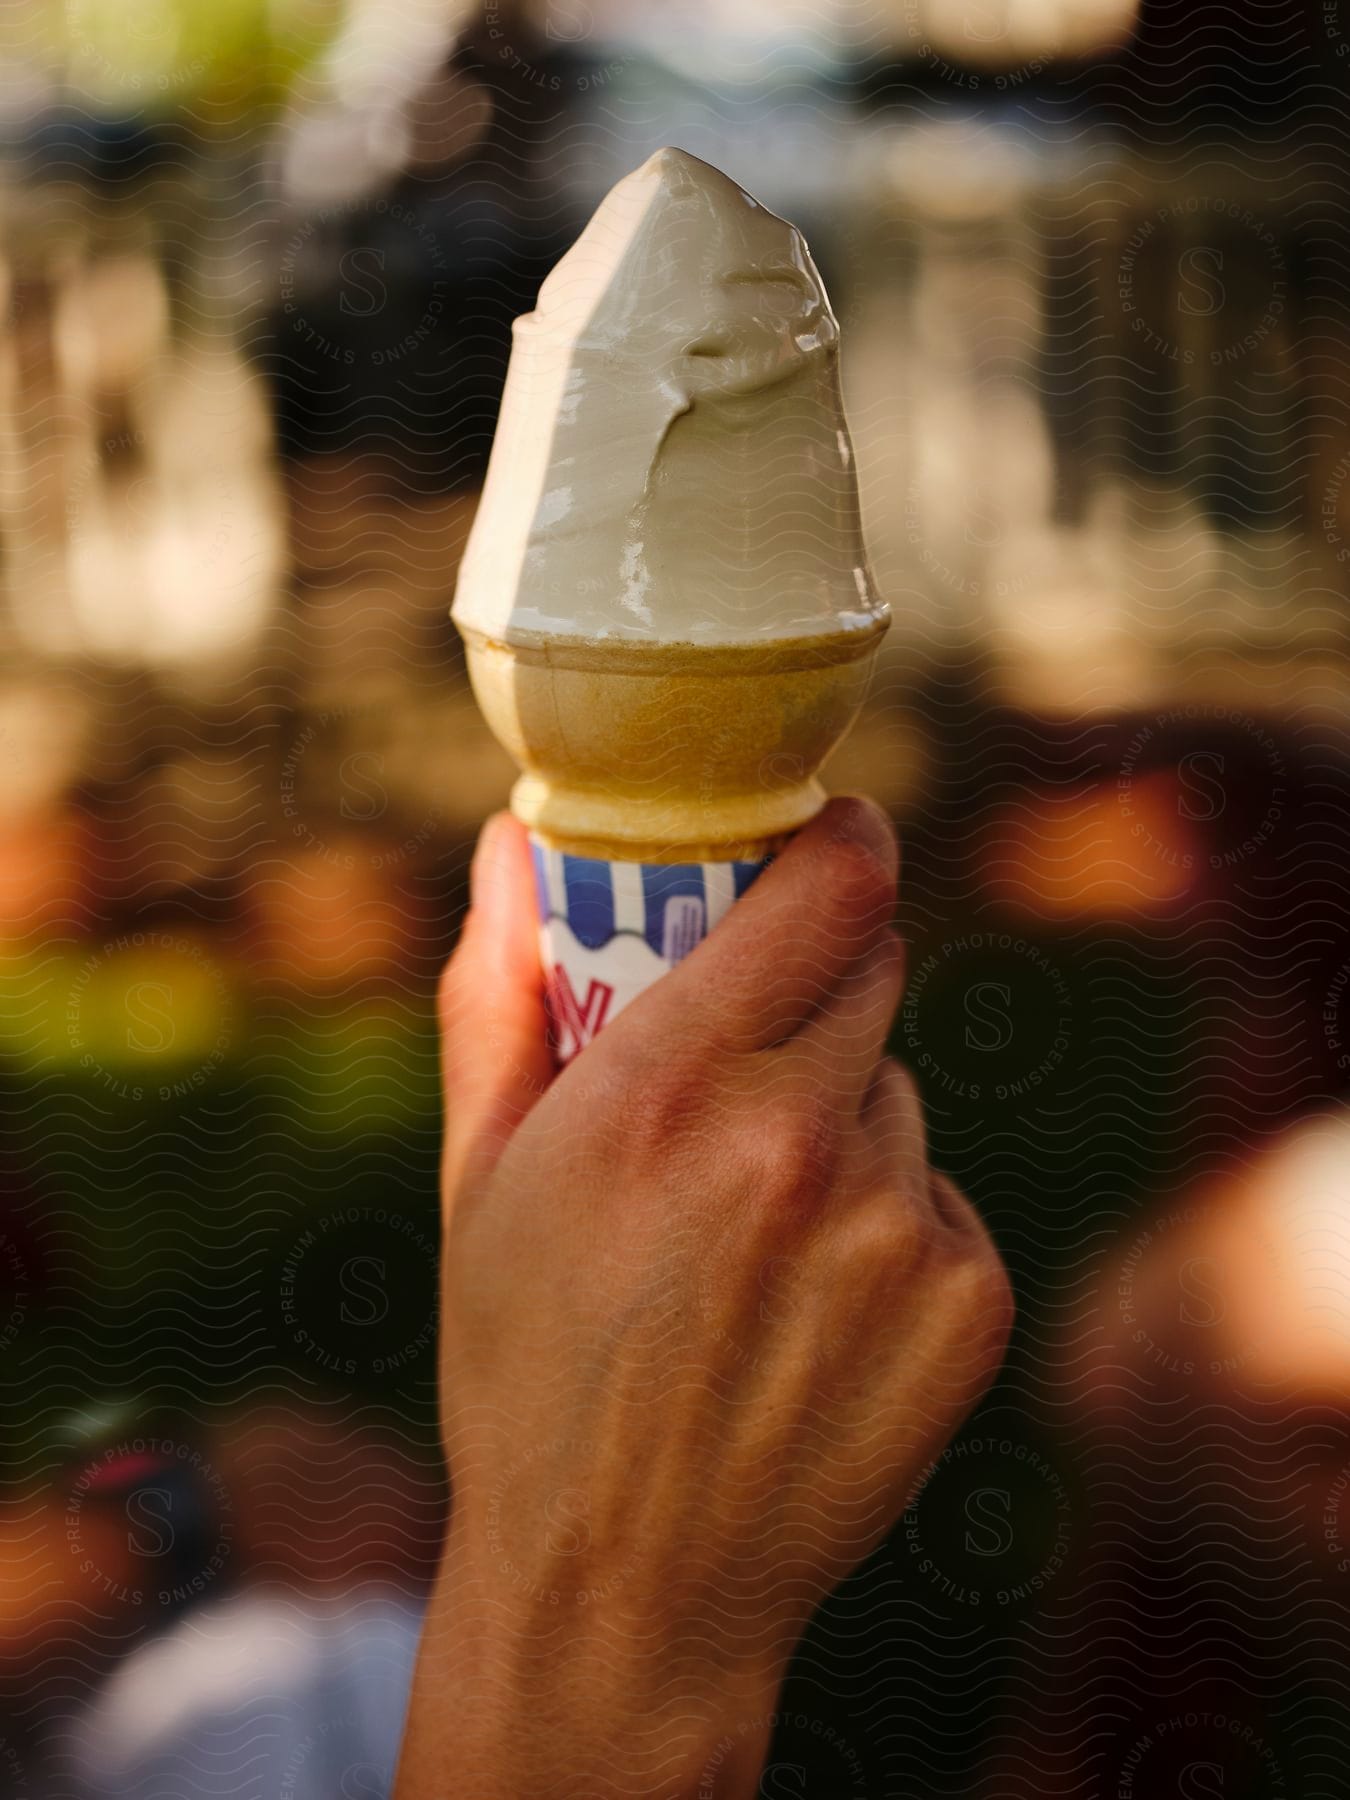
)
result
[(573, 1018)]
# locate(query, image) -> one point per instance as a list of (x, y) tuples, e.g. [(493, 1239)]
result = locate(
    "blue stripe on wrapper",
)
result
[(676, 902), (676, 907), (589, 887), (538, 854), (744, 873)]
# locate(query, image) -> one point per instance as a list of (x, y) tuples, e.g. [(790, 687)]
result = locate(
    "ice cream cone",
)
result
[(665, 600)]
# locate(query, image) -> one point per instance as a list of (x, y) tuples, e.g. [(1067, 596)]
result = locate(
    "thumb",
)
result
[(495, 1053)]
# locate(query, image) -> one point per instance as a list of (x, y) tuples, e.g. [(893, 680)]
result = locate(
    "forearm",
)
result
[(518, 1696)]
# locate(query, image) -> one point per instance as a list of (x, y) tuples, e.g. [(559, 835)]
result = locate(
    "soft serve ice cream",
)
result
[(665, 599), (672, 464)]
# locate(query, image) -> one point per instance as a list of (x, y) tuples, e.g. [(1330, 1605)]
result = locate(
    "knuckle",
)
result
[(910, 1240), (980, 1306), (903, 1089), (890, 955), (792, 1153)]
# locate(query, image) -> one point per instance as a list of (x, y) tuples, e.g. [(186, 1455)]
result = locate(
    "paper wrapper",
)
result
[(610, 929)]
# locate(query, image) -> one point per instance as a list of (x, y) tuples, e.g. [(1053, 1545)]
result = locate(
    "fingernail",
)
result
[(485, 869), (855, 817)]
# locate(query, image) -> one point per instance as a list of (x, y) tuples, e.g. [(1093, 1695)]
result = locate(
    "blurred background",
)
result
[(258, 263)]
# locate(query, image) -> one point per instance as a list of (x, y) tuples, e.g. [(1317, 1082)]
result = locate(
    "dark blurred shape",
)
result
[(391, 335)]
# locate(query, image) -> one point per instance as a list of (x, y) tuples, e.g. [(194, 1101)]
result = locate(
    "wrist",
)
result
[(524, 1689)]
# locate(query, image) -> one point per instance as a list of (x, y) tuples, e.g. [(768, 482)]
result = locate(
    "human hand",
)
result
[(707, 1317)]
